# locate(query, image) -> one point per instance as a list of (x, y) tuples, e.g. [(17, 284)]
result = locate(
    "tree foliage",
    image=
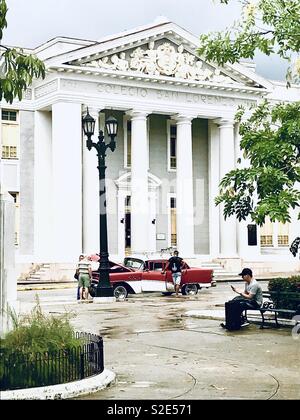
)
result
[(271, 26), (17, 69), (270, 139)]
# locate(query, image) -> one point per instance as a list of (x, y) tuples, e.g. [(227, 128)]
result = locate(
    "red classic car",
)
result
[(138, 276)]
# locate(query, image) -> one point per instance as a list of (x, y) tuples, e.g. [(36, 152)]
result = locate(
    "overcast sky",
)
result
[(33, 22)]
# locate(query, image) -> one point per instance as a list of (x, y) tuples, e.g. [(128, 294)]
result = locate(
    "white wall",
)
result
[(8, 281)]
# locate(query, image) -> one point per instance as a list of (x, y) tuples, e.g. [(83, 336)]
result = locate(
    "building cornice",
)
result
[(160, 80)]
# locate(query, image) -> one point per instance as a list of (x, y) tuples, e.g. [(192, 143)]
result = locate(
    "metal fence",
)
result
[(42, 369)]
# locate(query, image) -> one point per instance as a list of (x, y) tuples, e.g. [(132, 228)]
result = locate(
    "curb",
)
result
[(239, 279), (63, 391), (48, 286), (255, 320)]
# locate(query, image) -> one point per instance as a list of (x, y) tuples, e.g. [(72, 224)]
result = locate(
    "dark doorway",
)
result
[(127, 225), (127, 231), (252, 235)]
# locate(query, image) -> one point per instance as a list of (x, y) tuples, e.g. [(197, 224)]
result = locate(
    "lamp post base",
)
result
[(107, 299), (104, 291)]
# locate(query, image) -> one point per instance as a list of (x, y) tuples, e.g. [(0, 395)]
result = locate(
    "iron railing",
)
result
[(41, 369)]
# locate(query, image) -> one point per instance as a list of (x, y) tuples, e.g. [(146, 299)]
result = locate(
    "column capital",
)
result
[(183, 118), (93, 109), (225, 122), (138, 114)]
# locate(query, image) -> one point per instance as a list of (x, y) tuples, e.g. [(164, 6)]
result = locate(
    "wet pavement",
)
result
[(159, 353)]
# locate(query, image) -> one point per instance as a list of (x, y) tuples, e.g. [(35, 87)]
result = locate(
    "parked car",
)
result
[(138, 276)]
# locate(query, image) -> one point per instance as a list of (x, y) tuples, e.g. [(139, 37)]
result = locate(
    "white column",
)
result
[(44, 244), (139, 182), (228, 234), (213, 175), (66, 181), (90, 191), (184, 187)]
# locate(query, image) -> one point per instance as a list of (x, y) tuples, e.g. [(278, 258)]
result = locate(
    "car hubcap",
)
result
[(120, 293), (191, 289)]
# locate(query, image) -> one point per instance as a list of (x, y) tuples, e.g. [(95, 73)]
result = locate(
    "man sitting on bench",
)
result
[(251, 298)]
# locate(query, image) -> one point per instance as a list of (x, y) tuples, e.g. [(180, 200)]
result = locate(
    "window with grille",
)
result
[(9, 115), (173, 221), (266, 240), (266, 234), (274, 234), (9, 152), (128, 144), (283, 234), (172, 147), (9, 135)]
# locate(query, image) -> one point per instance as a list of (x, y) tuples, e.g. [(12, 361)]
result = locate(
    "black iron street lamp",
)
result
[(104, 288)]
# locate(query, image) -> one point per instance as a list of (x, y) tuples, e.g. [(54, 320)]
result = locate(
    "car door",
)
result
[(119, 274), (200, 276), (169, 279), (152, 278)]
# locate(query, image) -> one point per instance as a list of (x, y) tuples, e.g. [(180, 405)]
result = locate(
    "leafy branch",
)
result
[(280, 34), (17, 69), (269, 186)]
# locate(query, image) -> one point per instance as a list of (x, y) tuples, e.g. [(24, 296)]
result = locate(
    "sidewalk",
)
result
[(218, 315), (159, 352), (261, 277), (46, 285), (54, 284)]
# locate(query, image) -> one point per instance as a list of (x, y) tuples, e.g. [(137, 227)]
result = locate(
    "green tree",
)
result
[(270, 140), (270, 26), (270, 137), (17, 69)]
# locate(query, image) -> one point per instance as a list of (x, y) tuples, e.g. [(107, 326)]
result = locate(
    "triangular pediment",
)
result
[(163, 50), (124, 181), (158, 58)]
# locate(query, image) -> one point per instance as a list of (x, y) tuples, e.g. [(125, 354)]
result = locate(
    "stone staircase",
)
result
[(220, 274), (38, 274)]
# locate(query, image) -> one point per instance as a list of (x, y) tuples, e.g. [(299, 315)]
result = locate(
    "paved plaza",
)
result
[(158, 352)]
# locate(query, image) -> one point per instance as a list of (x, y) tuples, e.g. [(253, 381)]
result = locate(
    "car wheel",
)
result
[(120, 292), (190, 289)]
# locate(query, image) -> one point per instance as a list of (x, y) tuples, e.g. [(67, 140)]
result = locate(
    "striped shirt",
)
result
[(83, 267)]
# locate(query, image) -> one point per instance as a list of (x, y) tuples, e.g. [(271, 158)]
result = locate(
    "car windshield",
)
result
[(133, 263)]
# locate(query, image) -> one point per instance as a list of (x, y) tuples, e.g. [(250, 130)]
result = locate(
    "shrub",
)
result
[(32, 353), (283, 292), (38, 332)]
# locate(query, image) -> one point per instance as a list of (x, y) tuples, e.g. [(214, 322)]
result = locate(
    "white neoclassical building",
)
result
[(176, 140)]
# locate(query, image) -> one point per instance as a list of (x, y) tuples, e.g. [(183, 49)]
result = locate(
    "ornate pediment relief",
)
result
[(160, 59)]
